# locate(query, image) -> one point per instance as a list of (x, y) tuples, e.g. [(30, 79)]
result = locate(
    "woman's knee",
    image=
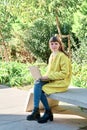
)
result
[(38, 82)]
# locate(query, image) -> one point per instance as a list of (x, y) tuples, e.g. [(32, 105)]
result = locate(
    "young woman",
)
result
[(56, 79)]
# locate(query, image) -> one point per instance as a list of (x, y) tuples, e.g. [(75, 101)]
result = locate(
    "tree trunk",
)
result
[(5, 49)]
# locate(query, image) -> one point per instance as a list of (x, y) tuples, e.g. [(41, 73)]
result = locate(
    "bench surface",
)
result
[(74, 95)]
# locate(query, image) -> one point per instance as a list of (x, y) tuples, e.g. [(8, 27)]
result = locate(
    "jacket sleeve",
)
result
[(64, 70)]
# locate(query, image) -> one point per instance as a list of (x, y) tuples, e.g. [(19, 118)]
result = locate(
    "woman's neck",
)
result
[(55, 52)]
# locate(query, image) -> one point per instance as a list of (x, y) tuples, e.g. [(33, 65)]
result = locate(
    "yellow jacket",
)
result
[(59, 73)]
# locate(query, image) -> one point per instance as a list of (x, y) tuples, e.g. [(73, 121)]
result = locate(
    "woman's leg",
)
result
[(44, 101), (35, 115), (39, 94), (48, 115)]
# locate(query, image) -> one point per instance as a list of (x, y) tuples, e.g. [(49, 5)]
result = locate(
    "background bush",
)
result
[(37, 38), (17, 74), (79, 77), (79, 53), (14, 74)]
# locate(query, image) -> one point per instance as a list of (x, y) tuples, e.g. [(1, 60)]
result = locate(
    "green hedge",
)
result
[(79, 77), (17, 74), (14, 74)]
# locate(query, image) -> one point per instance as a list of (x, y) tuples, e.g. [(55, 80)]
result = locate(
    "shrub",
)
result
[(79, 77), (17, 74), (79, 53), (14, 74), (37, 38)]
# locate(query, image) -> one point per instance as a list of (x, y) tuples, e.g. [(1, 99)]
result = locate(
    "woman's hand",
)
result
[(44, 78)]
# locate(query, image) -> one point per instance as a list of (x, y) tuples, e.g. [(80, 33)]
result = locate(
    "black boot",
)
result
[(47, 116), (35, 115)]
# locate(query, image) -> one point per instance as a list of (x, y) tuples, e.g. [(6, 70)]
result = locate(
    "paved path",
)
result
[(13, 115)]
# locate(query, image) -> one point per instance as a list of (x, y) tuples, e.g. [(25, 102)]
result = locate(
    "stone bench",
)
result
[(74, 95)]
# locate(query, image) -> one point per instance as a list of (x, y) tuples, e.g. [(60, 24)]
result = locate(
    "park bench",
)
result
[(74, 95)]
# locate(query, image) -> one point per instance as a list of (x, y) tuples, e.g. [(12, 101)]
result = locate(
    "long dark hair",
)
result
[(57, 38)]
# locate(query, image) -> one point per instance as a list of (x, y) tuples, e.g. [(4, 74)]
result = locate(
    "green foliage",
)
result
[(17, 74), (79, 77), (37, 38), (6, 20), (79, 53), (14, 74), (43, 26), (79, 26)]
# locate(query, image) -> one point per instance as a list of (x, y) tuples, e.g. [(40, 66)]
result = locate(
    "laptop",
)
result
[(35, 72)]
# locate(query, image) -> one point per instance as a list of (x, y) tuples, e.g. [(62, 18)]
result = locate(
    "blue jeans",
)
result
[(39, 95)]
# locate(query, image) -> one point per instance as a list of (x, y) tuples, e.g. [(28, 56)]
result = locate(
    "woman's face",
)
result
[(54, 46)]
